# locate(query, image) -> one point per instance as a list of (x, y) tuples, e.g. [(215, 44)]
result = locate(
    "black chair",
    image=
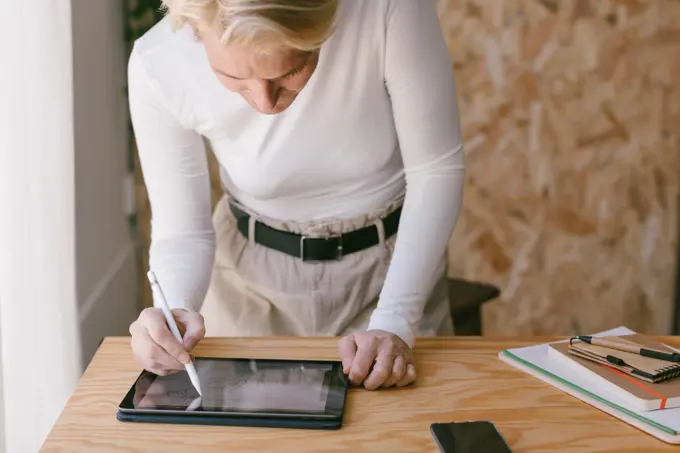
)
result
[(466, 299)]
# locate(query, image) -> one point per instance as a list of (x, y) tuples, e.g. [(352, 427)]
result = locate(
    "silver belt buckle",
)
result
[(339, 250)]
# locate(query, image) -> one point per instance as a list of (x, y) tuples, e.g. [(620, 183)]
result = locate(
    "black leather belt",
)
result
[(307, 248)]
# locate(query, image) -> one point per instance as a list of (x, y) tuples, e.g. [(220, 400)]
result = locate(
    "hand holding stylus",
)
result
[(172, 324), (155, 347)]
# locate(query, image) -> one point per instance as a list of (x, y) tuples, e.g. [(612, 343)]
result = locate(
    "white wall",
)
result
[(67, 268), (2, 401), (106, 275), (38, 309)]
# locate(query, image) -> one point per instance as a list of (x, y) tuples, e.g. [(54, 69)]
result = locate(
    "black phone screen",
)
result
[(469, 437)]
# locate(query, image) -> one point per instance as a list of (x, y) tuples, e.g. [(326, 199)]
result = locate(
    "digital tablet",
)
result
[(240, 389)]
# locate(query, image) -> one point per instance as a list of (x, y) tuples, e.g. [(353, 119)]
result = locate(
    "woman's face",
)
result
[(269, 83)]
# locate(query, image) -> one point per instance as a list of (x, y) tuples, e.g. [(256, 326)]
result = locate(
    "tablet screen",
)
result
[(242, 386)]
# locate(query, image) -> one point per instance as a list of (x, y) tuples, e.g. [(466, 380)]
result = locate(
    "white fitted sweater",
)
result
[(379, 115)]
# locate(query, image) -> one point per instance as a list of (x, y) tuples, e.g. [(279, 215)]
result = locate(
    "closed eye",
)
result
[(295, 72)]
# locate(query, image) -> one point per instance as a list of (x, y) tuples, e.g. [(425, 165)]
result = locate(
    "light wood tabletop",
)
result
[(459, 379)]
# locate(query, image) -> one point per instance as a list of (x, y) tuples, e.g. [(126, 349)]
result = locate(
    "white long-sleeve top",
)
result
[(379, 115)]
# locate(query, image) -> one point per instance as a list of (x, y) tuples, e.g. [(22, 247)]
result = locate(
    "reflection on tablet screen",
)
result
[(238, 385)]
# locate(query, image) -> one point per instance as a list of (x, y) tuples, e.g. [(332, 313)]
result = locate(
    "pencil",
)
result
[(652, 353)]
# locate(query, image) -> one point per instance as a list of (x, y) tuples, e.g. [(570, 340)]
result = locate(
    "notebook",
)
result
[(537, 361), (646, 368), (636, 390)]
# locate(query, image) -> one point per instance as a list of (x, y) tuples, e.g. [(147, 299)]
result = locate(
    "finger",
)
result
[(363, 361), (154, 356), (157, 369), (161, 335), (382, 370), (398, 372), (149, 354), (194, 328), (410, 376), (177, 314), (347, 348), (160, 371)]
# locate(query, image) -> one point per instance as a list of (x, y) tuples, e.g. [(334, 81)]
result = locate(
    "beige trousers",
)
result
[(257, 291)]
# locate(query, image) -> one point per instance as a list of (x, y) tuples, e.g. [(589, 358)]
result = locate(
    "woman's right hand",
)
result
[(156, 349)]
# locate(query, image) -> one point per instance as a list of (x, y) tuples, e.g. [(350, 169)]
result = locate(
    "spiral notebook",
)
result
[(646, 383)]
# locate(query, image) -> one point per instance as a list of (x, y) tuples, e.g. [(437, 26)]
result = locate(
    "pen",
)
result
[(156, 287), (652, 353)]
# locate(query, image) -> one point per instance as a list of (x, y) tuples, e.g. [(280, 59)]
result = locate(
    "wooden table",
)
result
[(458, 379)]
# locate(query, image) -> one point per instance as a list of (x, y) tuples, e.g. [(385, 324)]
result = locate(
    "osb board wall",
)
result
[(570, 115)]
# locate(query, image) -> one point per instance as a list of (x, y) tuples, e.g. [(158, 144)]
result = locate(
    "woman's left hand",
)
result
[(377, 359)]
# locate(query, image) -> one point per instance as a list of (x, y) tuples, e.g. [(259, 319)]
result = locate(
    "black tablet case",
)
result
[(258, 422)]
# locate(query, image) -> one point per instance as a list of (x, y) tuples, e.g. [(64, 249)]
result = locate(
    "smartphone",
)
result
[(469, 437)]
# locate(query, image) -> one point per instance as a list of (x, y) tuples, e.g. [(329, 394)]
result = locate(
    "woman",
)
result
[(337, 133)]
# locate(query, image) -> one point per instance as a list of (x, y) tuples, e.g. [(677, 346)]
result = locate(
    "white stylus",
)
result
[(156, 288), (194, 404)]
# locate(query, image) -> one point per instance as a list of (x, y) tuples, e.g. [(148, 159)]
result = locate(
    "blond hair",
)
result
[(264, 24)]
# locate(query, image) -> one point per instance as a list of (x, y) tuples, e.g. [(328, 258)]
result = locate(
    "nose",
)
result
[(265, 96)]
